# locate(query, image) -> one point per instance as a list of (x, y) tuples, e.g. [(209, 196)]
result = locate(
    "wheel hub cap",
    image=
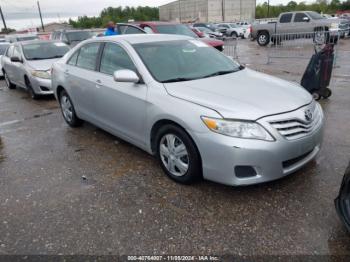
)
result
[(67, 108), (174, 155)]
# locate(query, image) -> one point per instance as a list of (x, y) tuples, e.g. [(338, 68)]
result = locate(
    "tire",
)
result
[(234, 34), (316, 96), (30, 90), (68, 110), (263, 38), (183, 167), (326, 93), (8, 82)]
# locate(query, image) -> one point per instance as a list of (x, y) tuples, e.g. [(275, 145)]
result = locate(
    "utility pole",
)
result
[(223, 10), (3, 19), (41, 18), (179, 11), (268, 8)]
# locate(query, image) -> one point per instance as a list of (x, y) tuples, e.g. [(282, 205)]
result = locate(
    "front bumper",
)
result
[(222, 156), (41, 86)]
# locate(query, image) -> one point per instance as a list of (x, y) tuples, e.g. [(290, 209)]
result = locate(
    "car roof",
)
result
[(143, 38), (158, 23), (37, 41)]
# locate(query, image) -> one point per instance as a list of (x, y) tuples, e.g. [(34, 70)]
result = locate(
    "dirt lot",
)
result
[(126, 205)]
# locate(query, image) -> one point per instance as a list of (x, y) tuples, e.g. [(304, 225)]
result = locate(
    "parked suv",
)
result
[(71, 37), (178, 29), (232, 29)]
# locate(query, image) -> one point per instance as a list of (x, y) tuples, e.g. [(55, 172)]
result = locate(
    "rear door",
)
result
[(81, 76), (300, 25)]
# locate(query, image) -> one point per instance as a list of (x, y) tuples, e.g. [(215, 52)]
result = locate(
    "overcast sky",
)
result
[(84, 6)]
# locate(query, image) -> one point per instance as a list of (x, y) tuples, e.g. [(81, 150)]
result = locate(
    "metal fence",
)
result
[(299, 45), (230, 48)]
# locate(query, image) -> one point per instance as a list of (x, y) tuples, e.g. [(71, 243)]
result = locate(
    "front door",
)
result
[(120, 106)]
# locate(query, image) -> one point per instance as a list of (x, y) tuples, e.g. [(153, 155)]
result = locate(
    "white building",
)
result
[(208, 10)]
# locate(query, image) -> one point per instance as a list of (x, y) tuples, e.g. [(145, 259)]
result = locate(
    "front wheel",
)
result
[(234, 35), (263, 39), (68, 110), (30, 89), (178, 155)]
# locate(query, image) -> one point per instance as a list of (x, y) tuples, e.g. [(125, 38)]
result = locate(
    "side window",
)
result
[(16, 52), (73, 59), (121, 29), (115, 58), (299, 17), (133, 30), (9, 51), (88, 56), (148, 29), (286, 18)]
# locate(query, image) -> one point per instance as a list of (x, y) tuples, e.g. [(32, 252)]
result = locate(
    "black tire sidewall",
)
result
[(194, 172), (75, 122), (31, 91), (267, 39), (8, 82)]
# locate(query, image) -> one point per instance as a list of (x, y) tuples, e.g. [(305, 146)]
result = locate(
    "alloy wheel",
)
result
[(67, 108)]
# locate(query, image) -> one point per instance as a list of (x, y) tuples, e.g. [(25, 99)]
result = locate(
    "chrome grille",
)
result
[(299, 127)]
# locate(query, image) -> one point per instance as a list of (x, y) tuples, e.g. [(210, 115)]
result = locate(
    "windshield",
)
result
[(176, 30), (39, 51), (183, 60), (3, 49), (27, 38), (315, 16), (233, 25), (78, 36)]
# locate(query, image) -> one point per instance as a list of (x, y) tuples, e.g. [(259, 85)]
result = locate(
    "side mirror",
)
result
[(306, 19), (16, 59), (126, 76)]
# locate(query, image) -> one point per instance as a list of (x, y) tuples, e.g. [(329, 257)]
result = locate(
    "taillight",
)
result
[(250, 29)]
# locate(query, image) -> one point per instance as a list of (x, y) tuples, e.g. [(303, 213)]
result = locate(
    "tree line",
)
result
[(124, 14), (320, 6), (117, 14)]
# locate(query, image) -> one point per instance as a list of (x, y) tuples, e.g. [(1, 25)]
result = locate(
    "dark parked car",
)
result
[(178, 29), (342, 202)]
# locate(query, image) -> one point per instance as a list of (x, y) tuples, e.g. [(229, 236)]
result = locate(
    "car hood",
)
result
[(44, 64), (245, 94)]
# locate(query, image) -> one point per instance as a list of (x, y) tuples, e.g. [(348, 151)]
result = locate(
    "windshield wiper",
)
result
[(178, 79), (219, 73)]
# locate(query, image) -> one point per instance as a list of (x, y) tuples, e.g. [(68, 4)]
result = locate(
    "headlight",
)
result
[(41, 74), (334, 26), (240, 129)]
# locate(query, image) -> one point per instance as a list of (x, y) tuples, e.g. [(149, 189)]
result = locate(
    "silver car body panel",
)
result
[(130, 111), (17, 71)]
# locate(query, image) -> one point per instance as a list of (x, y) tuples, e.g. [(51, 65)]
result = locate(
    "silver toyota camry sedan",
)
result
[(199, 112)]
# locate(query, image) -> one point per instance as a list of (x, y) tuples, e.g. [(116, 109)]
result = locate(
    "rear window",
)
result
[(286, 18)]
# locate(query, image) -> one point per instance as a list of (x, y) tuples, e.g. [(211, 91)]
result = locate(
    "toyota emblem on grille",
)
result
[(308, 115)]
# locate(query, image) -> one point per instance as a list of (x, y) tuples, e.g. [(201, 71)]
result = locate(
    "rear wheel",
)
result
[(263, 38), (68, 110), (8, 82), (178, 155)]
